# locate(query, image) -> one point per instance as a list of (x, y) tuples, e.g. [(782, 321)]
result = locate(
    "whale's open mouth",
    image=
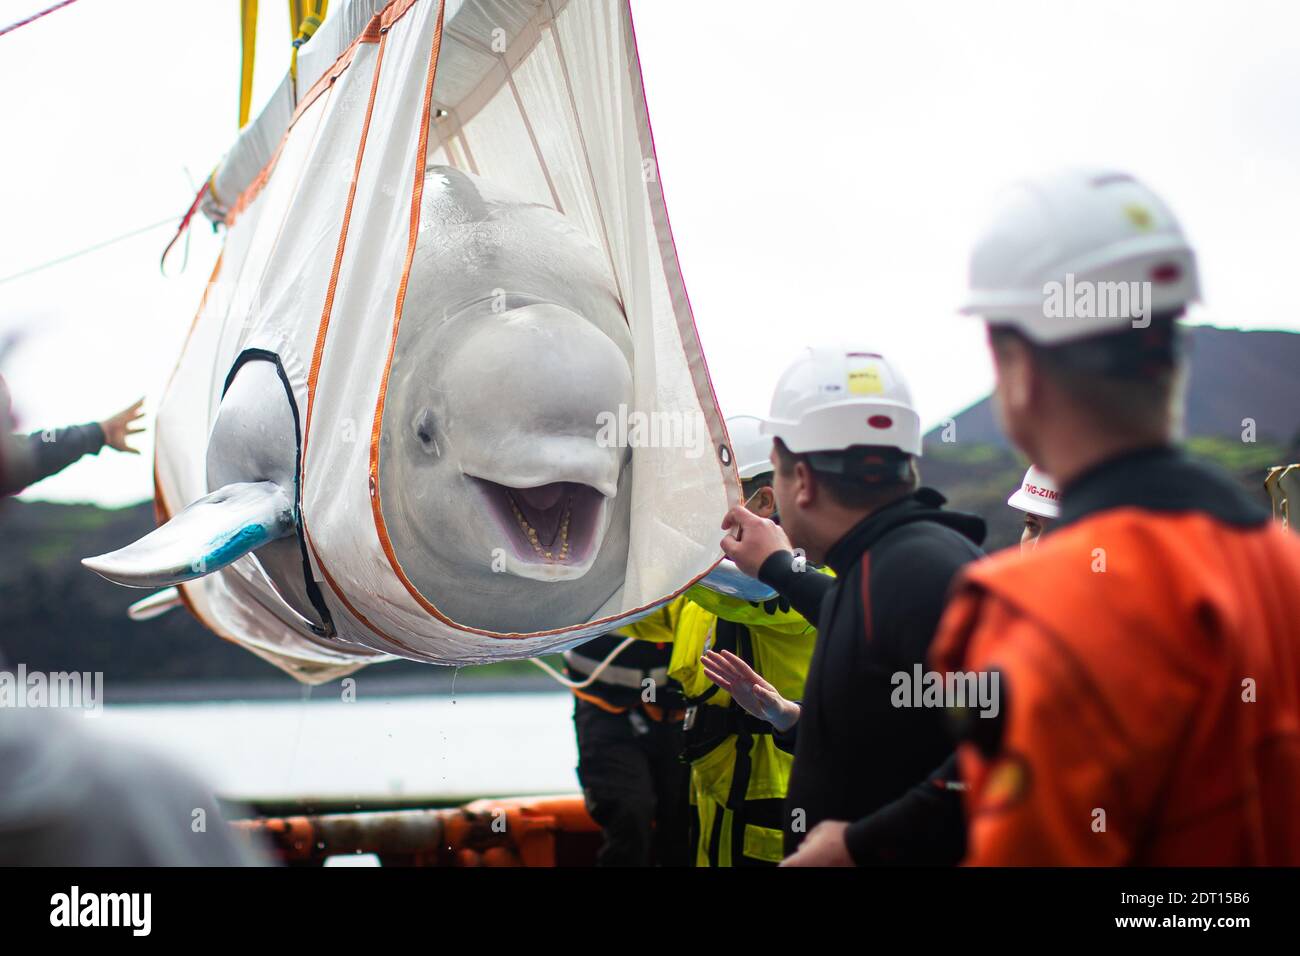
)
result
[(552, 531)]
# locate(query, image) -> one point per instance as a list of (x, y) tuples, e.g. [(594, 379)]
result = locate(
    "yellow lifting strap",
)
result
[(248, 51), (305, 18)]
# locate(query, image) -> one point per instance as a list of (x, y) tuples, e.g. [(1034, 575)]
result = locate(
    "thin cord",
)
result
[(600, 668), (89, 249), (35, 16)]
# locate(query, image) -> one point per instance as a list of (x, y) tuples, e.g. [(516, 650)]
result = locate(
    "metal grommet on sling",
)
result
[(724, 455)]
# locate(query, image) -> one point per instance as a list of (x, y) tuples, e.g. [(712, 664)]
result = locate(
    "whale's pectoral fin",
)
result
[(155, 605), (729, 580), (208, 535)]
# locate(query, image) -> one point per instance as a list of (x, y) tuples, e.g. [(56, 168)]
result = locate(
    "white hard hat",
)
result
[(751, 449), (830, 399), (1058, 238), (1037, 495)]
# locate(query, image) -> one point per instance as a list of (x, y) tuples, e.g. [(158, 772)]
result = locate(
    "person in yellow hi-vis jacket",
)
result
[(740, 765)]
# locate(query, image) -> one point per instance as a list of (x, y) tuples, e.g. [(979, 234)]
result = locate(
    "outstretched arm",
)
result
[(46, 453), (923, 826), (118, 427), (749, 689)]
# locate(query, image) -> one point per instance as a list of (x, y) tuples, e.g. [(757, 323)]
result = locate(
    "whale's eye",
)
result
[(422, 425)]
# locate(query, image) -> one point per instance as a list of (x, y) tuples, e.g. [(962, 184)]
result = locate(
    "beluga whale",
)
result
[(494, 471), (501, 502)]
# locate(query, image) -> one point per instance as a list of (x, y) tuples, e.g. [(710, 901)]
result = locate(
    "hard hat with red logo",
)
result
[(831, 399), (751, 449), (1095, 231), (1037, 495)]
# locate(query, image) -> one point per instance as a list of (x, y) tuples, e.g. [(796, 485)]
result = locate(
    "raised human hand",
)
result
[(749, 689)]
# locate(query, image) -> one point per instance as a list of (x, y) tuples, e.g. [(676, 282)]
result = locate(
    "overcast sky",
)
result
[(825, 165)]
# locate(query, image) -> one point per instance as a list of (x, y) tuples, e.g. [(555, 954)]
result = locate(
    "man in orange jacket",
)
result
[(1148, 651)]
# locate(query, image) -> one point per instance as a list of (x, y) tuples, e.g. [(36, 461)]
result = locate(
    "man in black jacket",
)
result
[(864, 787)]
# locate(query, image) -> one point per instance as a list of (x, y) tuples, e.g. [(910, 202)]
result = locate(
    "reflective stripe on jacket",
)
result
[(739, 775)]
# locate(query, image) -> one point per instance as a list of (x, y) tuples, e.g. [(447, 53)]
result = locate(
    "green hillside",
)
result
[(980, 478)]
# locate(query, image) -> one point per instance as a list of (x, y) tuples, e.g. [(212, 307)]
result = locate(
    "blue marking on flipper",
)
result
[(235, 546)]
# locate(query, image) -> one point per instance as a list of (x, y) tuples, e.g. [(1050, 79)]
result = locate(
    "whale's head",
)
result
[(517, 411), (504, 498), (505, 502)]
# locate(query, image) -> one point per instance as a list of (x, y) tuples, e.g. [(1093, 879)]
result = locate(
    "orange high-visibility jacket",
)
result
[(1148, 656)]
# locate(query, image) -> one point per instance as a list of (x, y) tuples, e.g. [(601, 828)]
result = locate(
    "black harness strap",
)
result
[(744, 746)]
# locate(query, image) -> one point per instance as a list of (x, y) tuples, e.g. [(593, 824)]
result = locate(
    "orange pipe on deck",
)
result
[(514, 831)]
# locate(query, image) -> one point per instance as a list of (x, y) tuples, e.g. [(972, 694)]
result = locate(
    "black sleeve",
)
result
[(50, 452), (924, 826), (803, 589), (786, 739)]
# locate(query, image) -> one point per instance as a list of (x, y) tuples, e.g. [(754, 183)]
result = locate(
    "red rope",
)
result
[(35, 16), (180, 230)]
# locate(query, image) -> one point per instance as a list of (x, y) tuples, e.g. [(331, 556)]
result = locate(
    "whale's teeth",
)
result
[(564, 528), (531, 533)]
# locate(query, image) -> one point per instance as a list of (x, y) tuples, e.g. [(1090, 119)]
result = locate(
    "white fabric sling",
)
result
[(321, 201)]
